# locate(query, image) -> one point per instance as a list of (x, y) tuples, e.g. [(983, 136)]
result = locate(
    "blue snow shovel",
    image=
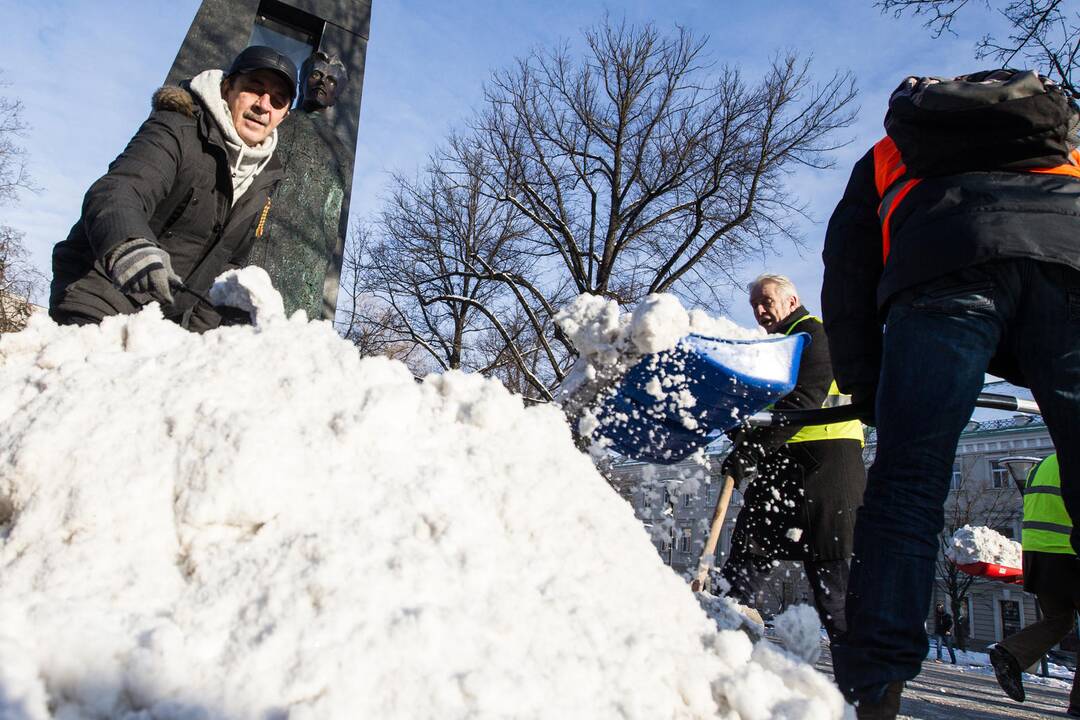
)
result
[(674, 402)]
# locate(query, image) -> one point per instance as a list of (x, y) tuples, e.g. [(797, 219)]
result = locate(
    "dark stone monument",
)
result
[(304, 237)]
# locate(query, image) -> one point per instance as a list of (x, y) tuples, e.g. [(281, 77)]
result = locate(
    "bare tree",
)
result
[(19, 280), (971, 503), (1043, 33), (637, 168), (448, 263), (14, 175)]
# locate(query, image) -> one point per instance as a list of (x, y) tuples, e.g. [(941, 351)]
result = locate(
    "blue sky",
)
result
[(85, 72)]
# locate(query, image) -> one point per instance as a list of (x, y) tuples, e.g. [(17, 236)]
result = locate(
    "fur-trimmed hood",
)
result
[(177, 99)]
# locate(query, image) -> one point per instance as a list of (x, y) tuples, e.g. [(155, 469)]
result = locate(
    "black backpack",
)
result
[(991, 120)]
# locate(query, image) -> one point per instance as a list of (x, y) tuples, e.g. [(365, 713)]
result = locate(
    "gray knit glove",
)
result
[(140, 266)]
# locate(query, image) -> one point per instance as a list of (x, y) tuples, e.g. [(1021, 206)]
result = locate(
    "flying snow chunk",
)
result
[(658, 322), (799, 629)]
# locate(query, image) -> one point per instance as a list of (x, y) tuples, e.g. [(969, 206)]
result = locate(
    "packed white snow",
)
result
[(658, 322), (764, 360), (257, 523), (982, 544), (249, 289)]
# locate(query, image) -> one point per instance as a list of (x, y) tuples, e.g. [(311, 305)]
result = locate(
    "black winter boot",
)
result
[(1007, 671), (887, 708)]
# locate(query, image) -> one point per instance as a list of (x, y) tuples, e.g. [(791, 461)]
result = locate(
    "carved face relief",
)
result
[(323, 79)]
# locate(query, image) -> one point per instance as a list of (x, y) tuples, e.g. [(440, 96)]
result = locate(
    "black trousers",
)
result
[(747, 574)]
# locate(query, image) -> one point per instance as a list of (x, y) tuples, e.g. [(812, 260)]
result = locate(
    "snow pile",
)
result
[(981, 544), (256, 522), (799, 629), (249, 289)]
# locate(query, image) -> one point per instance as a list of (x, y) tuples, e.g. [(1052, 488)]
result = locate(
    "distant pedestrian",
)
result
[(943, 627), (961, 629)]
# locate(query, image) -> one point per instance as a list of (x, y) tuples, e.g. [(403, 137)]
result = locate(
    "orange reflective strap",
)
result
[(888, 166), (888, 169), (893, 187), (1070, 168), (885, 210)]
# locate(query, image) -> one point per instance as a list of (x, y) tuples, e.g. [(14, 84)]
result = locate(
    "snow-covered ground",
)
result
[(257, 523), (979, 662)]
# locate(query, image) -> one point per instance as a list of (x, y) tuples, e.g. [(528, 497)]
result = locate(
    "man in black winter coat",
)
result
[(933, 277), (803, 484), (183, 202), (943, 631)]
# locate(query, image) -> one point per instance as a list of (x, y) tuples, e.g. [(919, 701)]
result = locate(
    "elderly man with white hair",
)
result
[(803, 484)]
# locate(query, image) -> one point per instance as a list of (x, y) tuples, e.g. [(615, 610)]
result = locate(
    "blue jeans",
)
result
[(947, 639), (939, 339)]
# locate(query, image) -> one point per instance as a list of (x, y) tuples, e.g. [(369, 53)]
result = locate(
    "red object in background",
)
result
[(991, 571)]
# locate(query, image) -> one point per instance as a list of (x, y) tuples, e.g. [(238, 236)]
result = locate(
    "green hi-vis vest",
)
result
[(849, 430), (1046, 523)]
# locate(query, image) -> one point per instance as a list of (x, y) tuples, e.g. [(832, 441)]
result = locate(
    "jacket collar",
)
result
[(796, 315)]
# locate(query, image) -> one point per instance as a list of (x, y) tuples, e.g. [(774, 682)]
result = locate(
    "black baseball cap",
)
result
[(261, 57)]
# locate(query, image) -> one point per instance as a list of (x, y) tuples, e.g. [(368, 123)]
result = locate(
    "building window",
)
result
[(999, 475), (1010, 617), (687, 499), (957, 476), (684, 542)]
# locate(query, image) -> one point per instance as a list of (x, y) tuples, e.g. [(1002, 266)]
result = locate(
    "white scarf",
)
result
[(246, 162)]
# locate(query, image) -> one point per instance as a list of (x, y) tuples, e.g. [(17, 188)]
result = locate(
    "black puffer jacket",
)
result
[(945, 224), (171, 185)]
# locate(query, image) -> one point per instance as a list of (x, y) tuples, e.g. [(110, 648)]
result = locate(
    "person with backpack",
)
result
[(958, 233), (1052, 574), (943, 627)]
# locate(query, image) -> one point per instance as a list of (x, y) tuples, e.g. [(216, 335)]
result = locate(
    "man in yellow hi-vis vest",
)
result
[(804, 484), (1052, 573)]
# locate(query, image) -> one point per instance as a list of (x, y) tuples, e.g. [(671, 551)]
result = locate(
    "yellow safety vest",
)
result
[(1047, 524), (849, 430)]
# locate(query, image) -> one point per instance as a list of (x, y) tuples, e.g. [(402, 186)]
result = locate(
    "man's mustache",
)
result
[(262, 120)]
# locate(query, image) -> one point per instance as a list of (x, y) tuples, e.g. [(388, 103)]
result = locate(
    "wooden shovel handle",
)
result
[(714, 534)]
